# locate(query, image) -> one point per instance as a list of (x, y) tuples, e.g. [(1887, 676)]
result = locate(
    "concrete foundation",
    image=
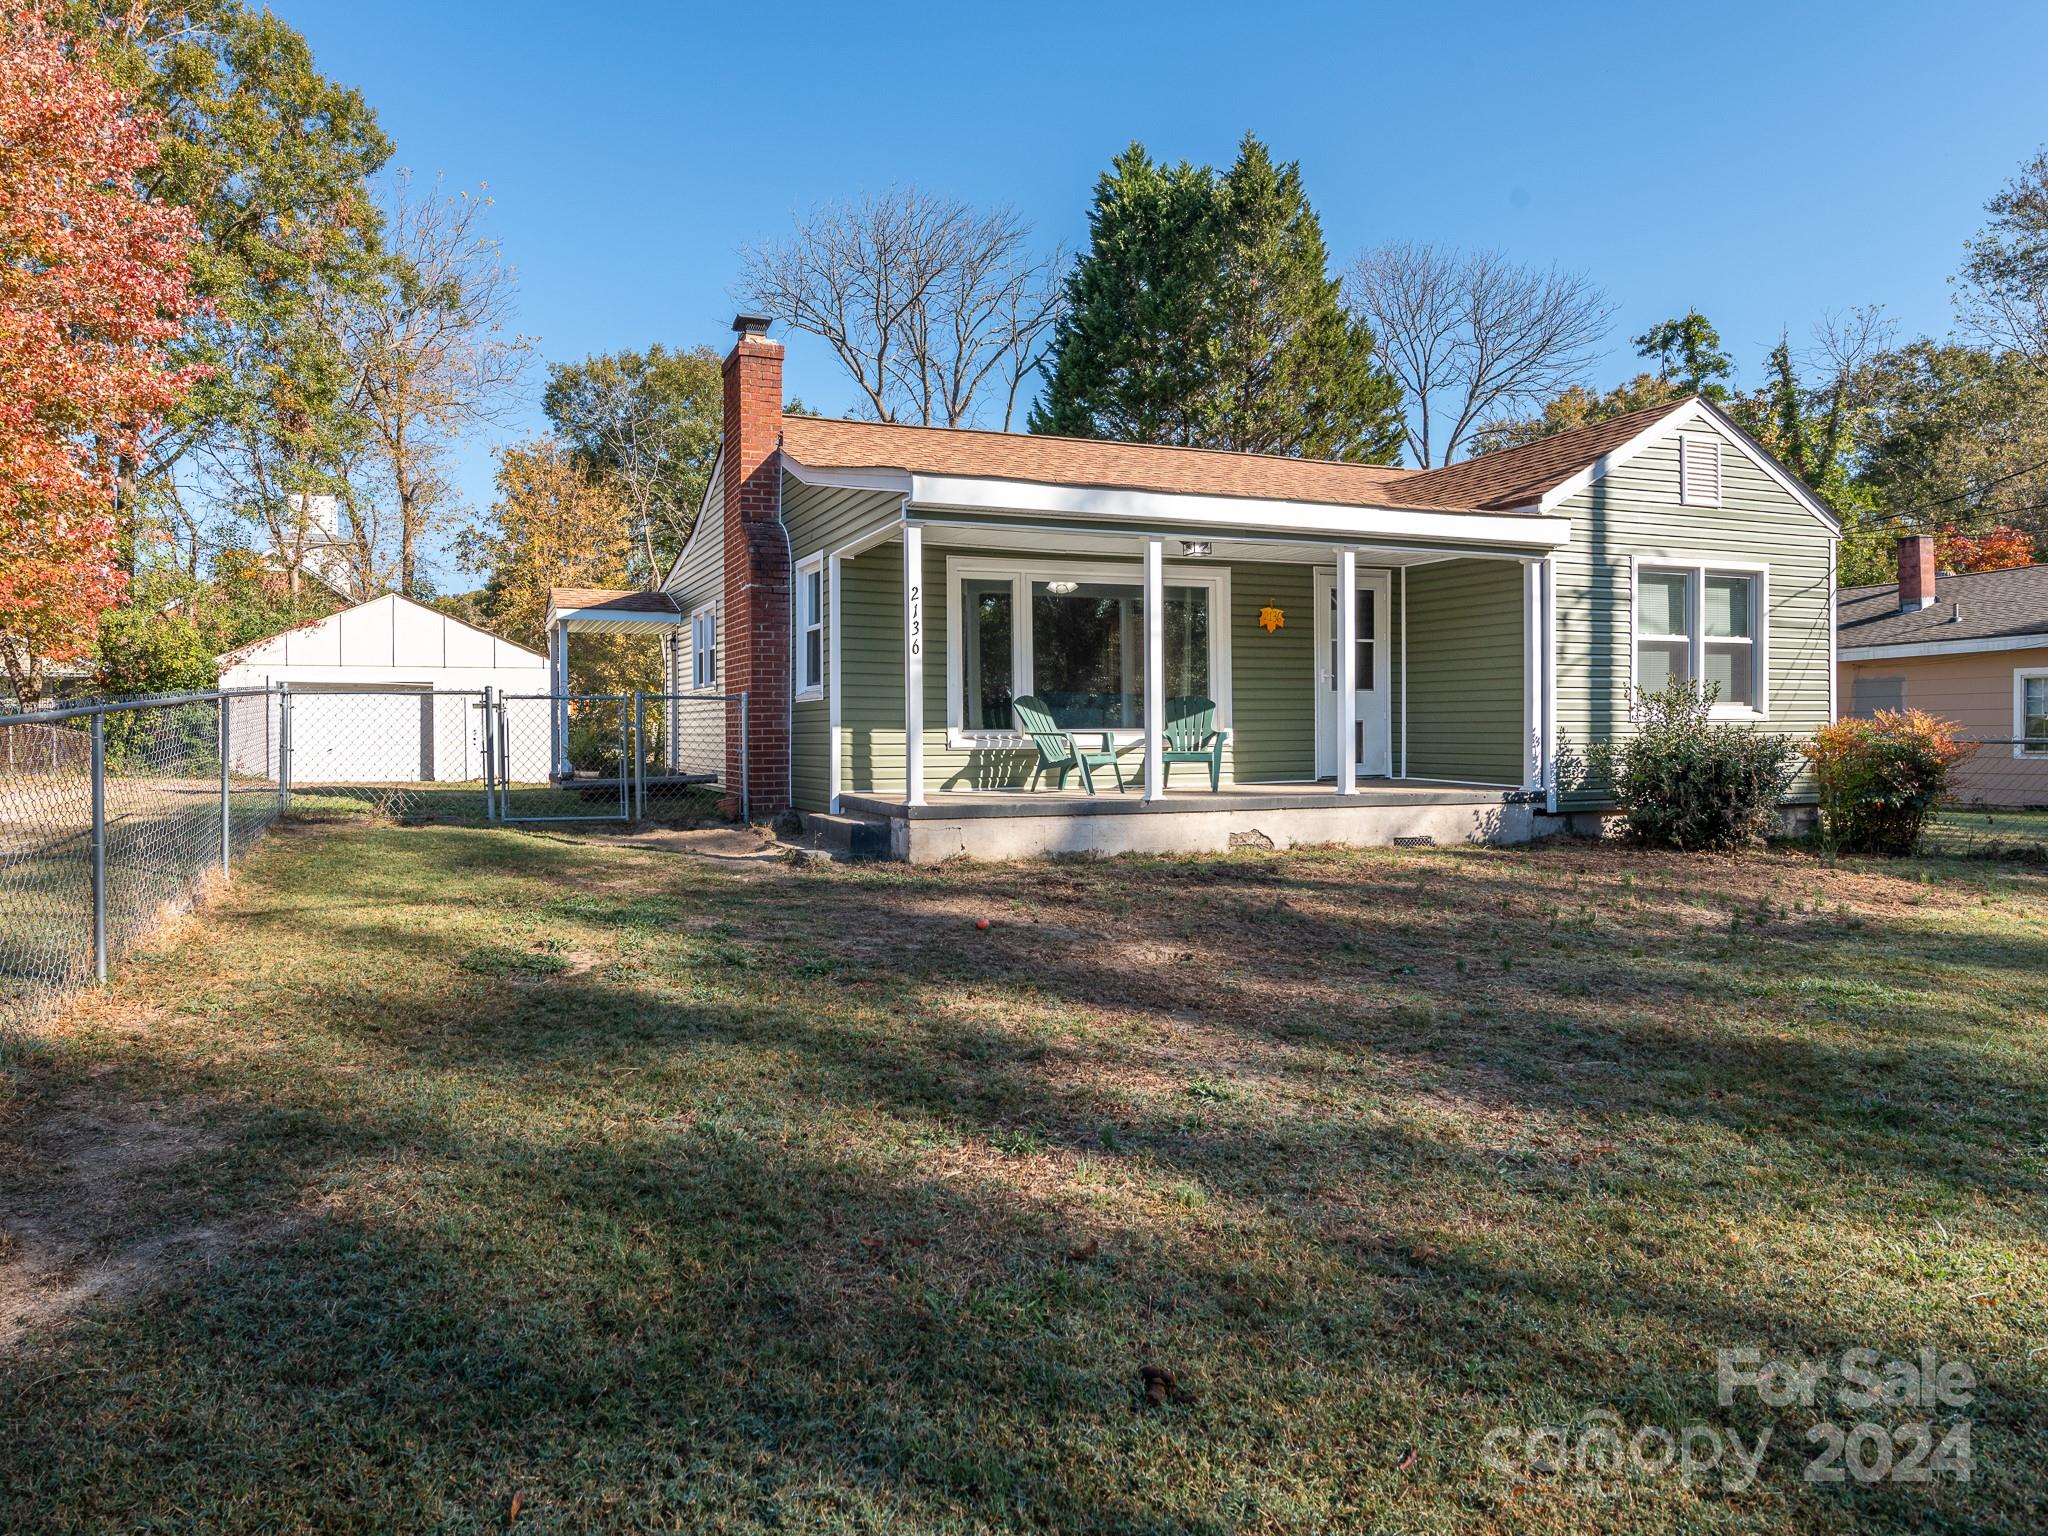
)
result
[(1012, 827)]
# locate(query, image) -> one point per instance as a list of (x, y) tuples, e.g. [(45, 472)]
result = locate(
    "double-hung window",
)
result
[(810, 628), (2030, 712), (1073, 636), (704, 648), (1705, 625)]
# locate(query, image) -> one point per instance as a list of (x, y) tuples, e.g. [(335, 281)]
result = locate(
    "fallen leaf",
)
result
[(1407, 1460), (513, 1513), (1086, 1251)]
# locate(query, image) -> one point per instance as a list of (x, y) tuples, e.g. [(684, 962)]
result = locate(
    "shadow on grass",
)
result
[(781, 1215)]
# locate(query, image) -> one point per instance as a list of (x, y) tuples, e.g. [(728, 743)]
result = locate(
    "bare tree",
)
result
[(431, 357), (1472, 336), (927, 302), (2002, 291)]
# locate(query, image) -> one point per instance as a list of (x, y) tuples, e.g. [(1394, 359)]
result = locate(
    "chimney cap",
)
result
[(750, 325)]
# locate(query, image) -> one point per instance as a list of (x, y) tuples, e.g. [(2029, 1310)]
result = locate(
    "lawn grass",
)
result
[(433, 1169)]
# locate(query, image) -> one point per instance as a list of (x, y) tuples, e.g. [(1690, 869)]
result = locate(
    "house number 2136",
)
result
[(916, 619)]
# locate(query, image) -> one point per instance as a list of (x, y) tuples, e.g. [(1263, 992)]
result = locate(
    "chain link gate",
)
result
[(564, 757), (681, 770), (408, 752)]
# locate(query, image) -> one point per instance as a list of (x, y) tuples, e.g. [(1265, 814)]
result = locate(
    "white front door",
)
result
[(1374, 597)]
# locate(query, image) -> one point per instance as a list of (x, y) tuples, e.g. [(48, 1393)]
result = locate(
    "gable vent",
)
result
[(1699, 470)]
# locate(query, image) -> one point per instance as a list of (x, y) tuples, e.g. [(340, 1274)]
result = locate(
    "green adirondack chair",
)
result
[(1192, 737), (1060, 749)]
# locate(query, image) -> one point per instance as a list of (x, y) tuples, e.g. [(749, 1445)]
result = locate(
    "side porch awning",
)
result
[(608, 611), (596, 611)]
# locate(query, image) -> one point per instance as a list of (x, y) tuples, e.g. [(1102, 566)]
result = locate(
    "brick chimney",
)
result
[(756, 616), (1916, 572)]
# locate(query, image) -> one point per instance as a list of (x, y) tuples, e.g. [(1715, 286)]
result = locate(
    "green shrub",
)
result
[(1882, 779), (1684, 782)]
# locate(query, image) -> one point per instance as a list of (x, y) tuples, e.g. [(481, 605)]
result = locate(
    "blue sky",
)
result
[(1763, 163)]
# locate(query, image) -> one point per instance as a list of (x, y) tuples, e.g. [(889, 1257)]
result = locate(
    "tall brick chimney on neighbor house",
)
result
[(756, 615), (1916, 572)]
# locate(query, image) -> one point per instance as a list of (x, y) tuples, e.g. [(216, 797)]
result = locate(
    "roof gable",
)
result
[(1693, 412), (275, 649)]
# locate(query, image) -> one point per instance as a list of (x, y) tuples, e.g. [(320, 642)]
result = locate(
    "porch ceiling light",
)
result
[(1062, 588), (1196, 549)]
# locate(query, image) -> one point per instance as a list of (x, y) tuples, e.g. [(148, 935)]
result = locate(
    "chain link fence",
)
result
[(114, 816), (1998, 803)]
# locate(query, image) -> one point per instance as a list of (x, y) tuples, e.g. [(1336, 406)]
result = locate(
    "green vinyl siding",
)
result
[(698, 579), (871, 672), (819, 520), (1273, 682), (1465, 671), (1633, 512)]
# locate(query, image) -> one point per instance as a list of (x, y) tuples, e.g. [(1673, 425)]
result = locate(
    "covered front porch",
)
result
[(1419, 709)]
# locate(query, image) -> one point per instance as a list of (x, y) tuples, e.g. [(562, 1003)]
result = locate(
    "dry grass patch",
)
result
[(1206, 1194)]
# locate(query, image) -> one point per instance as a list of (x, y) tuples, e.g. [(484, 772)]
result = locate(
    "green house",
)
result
[(1390, 654)]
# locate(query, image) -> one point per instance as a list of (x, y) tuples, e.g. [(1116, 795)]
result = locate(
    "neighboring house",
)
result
[(883, 594), (380, 694), (1971, 648)]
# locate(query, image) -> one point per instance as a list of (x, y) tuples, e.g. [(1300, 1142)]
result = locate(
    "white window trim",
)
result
[(2020, 677), (1697, 568), (811, 692), (1021, 572), (699, 617), (1690, 494)]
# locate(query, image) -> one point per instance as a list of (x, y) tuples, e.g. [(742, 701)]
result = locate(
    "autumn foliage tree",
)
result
[(94, 286), (1998, 548), (554, 525)]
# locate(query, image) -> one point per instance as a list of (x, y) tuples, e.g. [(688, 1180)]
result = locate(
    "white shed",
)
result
[(380, 695)]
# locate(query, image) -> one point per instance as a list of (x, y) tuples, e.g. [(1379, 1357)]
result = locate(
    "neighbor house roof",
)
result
[(1979, 606), (1511, 480), (616, 599)]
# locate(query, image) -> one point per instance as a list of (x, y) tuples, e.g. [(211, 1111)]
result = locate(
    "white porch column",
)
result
[(1347, 672), (1155, 669), (558, 704), (1550, 682), (1535, 645), (913, 664)]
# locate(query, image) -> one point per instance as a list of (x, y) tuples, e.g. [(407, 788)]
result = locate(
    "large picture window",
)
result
[(1074, 637), (1704, 625)]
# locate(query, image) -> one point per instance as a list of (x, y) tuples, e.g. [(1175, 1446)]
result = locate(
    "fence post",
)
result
[(639, 755), (490, 754), (99, 848), (746, 816), (284, 746), (227, 842)]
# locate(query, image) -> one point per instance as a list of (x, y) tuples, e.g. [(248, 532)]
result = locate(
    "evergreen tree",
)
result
[(1203, 315), (1133, 357), (1688, 354)]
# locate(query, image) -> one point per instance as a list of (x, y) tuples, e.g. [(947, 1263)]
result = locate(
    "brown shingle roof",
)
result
[(1517, 477), (1497, 482), (618, 599), (1983, 605)]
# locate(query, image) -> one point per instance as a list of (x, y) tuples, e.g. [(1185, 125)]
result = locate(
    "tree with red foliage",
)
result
[(94, 285), (1999, 548)]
